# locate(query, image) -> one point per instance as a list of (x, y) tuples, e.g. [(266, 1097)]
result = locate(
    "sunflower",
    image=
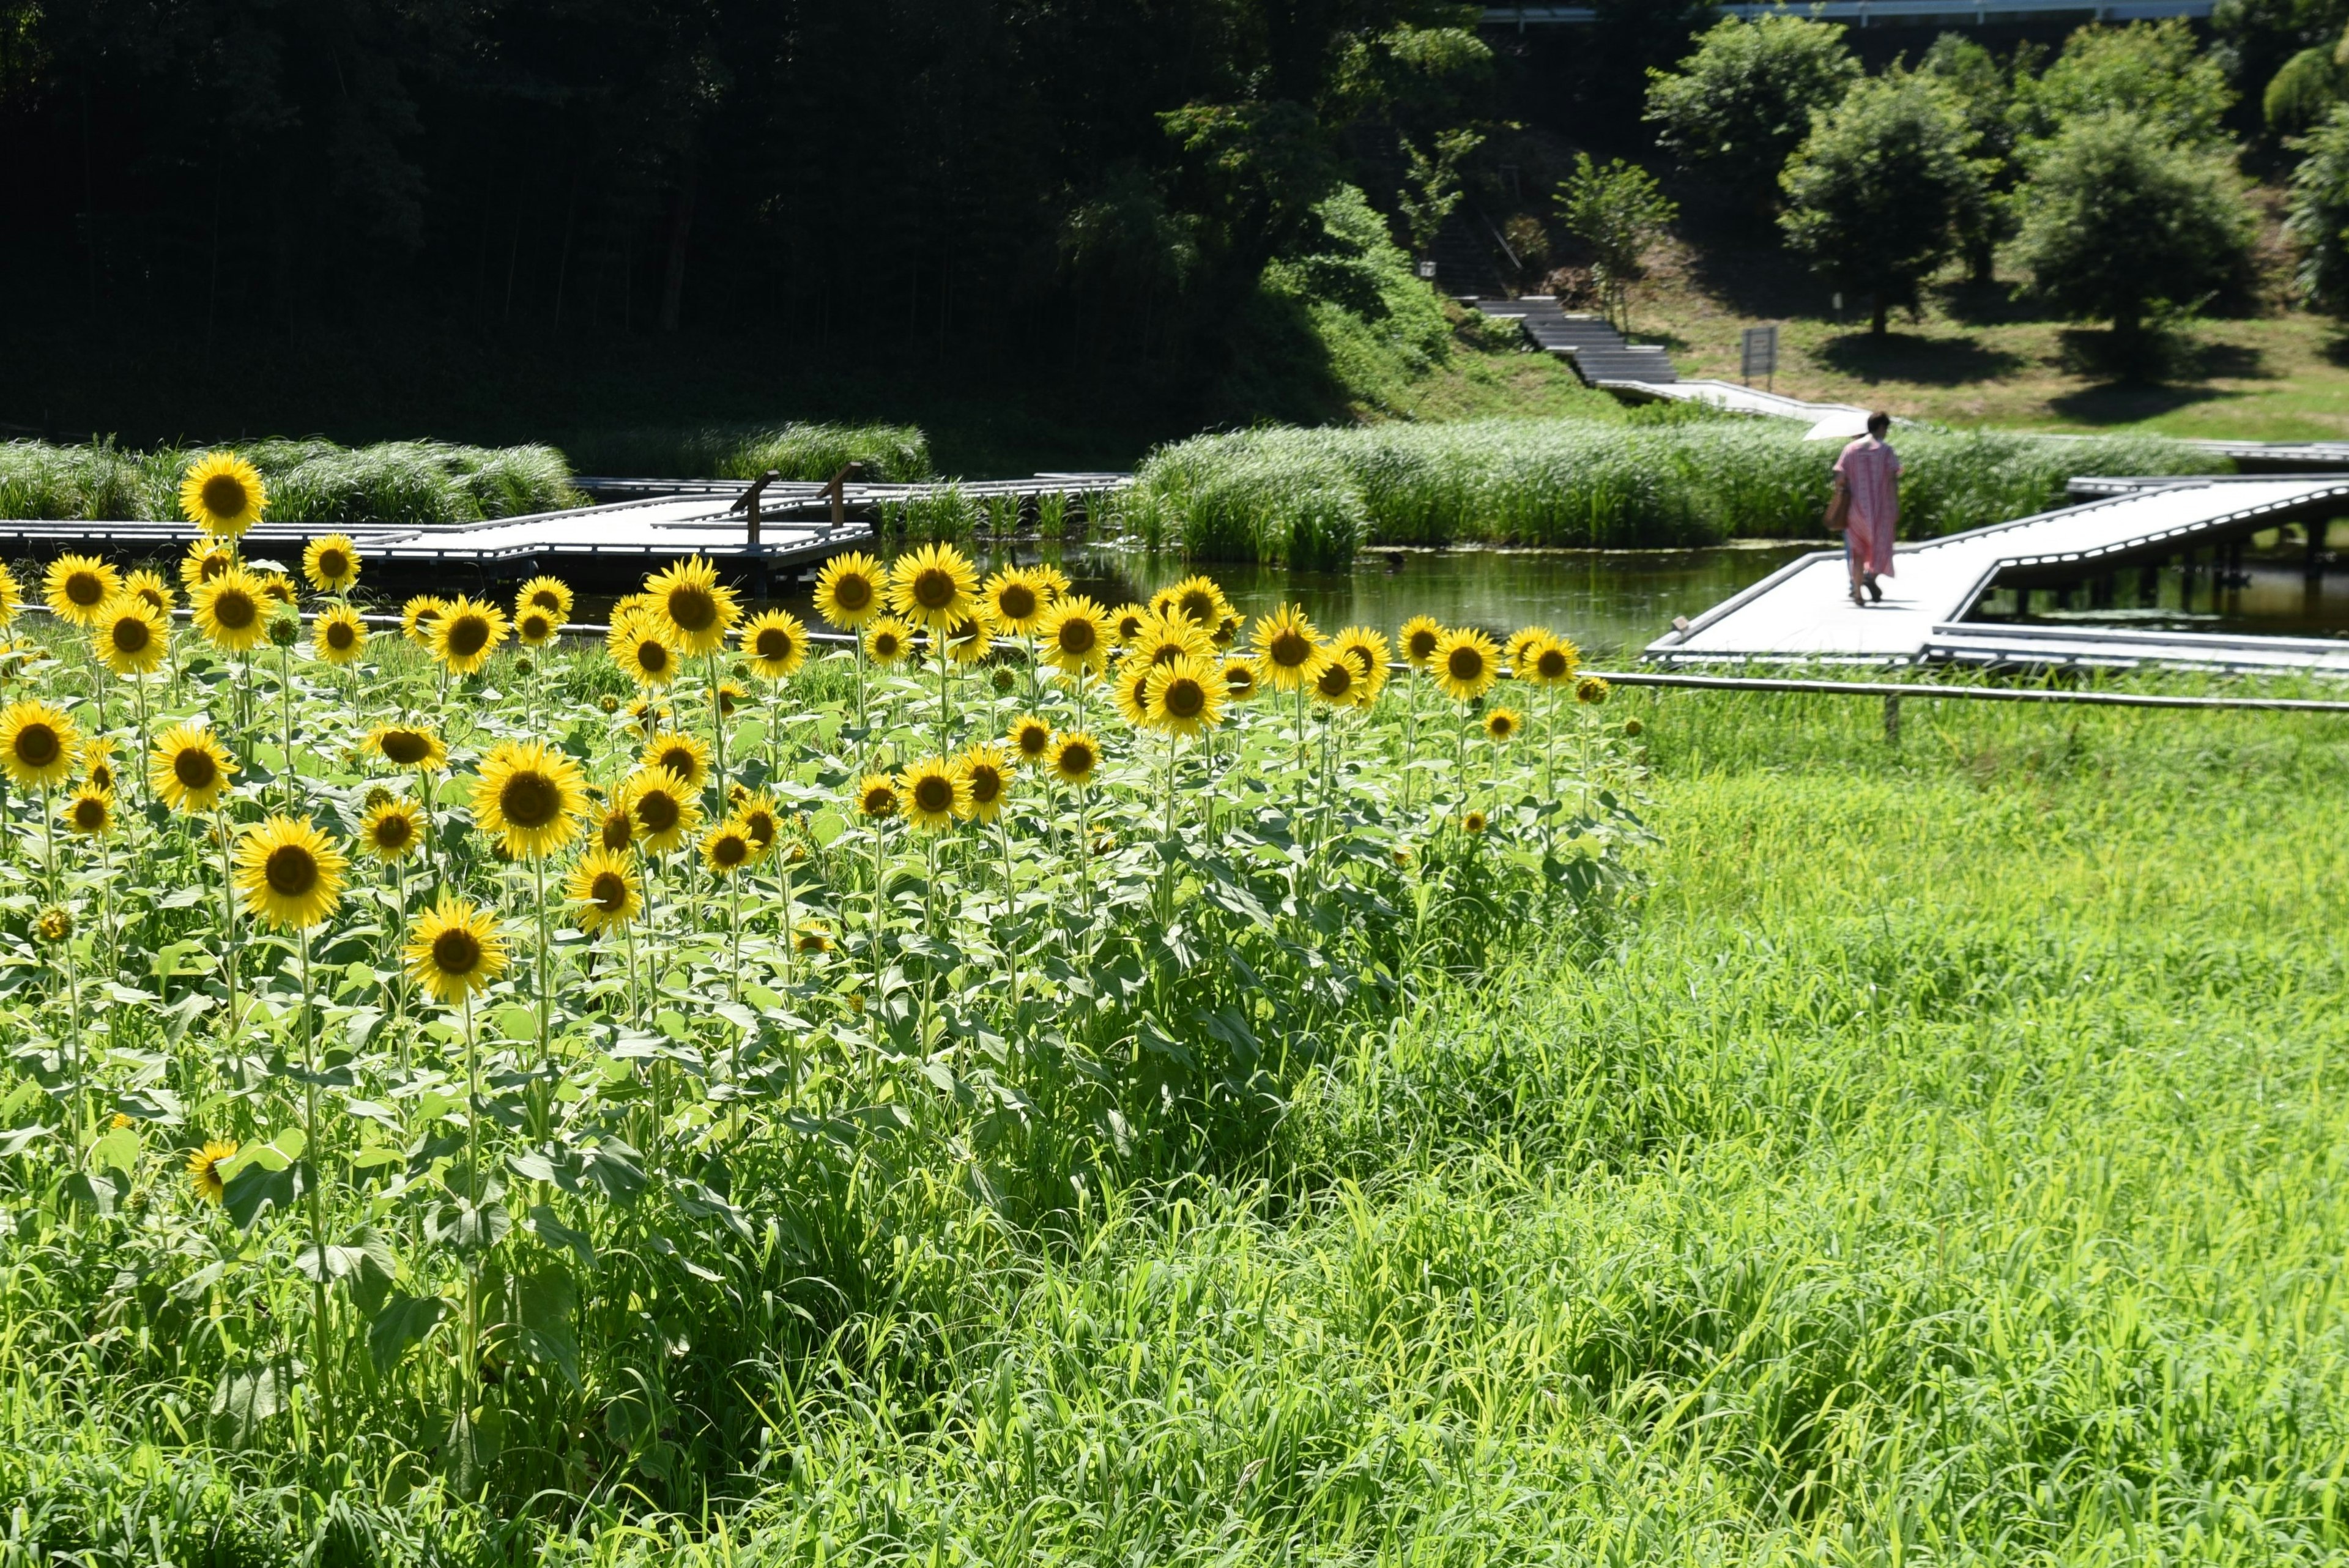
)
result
[(1551, 664), (290, 873), (1016, 600), (728, 847), (967, 640), (205, 559), (936, 793), (407, 746), (204, 1168), (1185, 697), (602, 888), (1201, 601), (1074, 758), (665, 807), (338, 636), (731, 694), (693, 608), (876, 796), (129, 635), (232, 610), (89, 811), (392, 830), (1227, 631), (687, 756), (1421, 635), (639, 646), (529, 796), (1131, 690), (1052, 580), (1126, 621), (417, 615), (534, 625), (38, 745), (617, 829), (1466, 664), (1289, 650), (1240, 678), (222, 494), (465, 633), (97, 762), (1075, 634), (53, 924), (1337, 683), (1518, 652), (188, 768), (145, 584), (552, 594), (989, 773), (648, 716), (12, 598), (276, 587), (1591, 690), (758, 814), (776, 645), (456, 951), (887, 640), (812, 937), (849, 590), (1473, 823), (1367, 651), (933, 586), (1164, 639), (1503, 725), (332, 564), (78, 589), (1031, 738)]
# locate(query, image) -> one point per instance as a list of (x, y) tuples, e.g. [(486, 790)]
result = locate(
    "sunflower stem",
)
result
[(545, 994), (318, 1310)]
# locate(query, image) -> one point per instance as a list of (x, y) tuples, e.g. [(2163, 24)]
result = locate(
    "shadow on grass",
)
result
[(1911, 357), (2127, 402)]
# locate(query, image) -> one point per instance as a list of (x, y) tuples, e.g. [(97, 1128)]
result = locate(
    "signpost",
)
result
[(1759, 356)]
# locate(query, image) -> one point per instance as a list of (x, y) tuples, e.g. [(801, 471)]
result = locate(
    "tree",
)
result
[(1434, 189), (2119, 222), (2304, 91), (2319, 209), (1980, 91), (2153, 70), (1743, 101), (1618, 212), (1876, 193), (2254, 38)]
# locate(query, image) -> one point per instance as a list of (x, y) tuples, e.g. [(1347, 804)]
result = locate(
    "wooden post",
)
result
[(836, 488), (2316, 530), (750, 503), (1892, 720)]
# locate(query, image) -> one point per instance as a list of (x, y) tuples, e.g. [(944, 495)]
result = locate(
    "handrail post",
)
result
[(750, 505), (836, 488)]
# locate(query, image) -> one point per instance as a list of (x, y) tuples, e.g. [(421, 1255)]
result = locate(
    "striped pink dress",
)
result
[(1871, 470)]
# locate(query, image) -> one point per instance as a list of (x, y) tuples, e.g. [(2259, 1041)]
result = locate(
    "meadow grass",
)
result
[(798, 450), (309, 480)]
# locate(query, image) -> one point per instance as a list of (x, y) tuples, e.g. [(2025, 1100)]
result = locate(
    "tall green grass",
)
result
[(1310, 497), (799, 451), (309, 480)]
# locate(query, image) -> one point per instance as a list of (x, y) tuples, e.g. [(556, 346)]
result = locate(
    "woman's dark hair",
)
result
[(1877, 423)]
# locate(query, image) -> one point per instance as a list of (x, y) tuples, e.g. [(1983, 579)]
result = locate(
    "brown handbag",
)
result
[(1839, 517)]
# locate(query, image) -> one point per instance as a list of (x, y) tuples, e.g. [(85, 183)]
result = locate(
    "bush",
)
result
[(309, 480), (799, 451), (2319, 207)]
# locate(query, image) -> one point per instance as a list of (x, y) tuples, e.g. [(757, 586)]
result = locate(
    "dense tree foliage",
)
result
[(2155, 71), (1743, 101), (2319, 213)]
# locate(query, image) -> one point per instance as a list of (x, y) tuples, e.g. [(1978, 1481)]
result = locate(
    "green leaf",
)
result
[(118, 1150), (549, 1228), (257, 1188), (16, 1140), (546, 1298), (402, 1323)]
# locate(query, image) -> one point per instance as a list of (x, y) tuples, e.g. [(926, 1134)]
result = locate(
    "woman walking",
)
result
[(1868, 476)]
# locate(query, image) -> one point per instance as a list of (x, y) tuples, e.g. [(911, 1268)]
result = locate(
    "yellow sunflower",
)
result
[(417, 615), (1074, 758), (1164, 639), (987, 774), (232, 610), (1503, 725), (290, 873), (1466, 664), (222, 494), (1337, 684), (1015, 600), (693, 608), (1240, 678), (933, 586), (392, 831), (338, 636), (205, 559), (1553, 663), (1517, 652), (776, 645), (79, 588), (38, 745), (1367, 651), (887, 640), (407, 746), (12, 598), (666, 809), (812, 937), (849, 590), (129, 635), (935, 793), (465, 633), (602, 890), (687, 756), (877, 795), (1125, 621), (1289, 650), (1421, 635), (1473, 823), (97, 762), (151, 586), (1185, 697), (969, 641), (204, 1168), (1591, 691), (1199, 600), (1031, 738), (1130, 689), (552, 594), (276, 587), (1074, 634), (639, 646), (188, 768), (529, 796), (456, 951), (728, 847), (758, 814), (617, 829), (88, 811), (1052, 580), (332, 564), (534, 625)]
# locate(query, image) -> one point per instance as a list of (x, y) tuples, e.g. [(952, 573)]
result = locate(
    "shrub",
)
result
[(310, 480), (804, 450)]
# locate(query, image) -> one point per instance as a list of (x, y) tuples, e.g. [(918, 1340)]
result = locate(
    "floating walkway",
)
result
[(1803, 613)]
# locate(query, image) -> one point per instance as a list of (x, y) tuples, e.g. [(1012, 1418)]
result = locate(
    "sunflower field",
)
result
[(472, 1057)]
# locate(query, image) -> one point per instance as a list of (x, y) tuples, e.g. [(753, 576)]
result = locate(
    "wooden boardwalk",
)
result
[(1802, 612)]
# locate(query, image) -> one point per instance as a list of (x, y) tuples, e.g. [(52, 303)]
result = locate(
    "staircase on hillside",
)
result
[(1469, 256), (1595, 349)]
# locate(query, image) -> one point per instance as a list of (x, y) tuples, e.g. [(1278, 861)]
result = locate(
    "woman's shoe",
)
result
[(1874, 592), (1856, 598)]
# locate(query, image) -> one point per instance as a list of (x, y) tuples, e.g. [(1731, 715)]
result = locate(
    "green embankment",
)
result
[(1310, 497), (797, 450)]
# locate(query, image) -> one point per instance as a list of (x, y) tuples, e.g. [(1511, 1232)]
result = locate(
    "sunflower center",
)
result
[(986, 783), (1078, 759), (692, 608), (223, 495), (731, 850), (657, 810), (885, 645), (610, 891), (933, 794), (236, 610), (85, 588), (340, 635), (618, 831), (1185, 698), (1290, 650), (456, 951), (934, 588), (468, 634), (392, 832), (773, 643), (852, 592), (679, 761), (1465, 664), (37, 745), (652, 656), (406, 747), (291, 870), (530, 799), (195, 768), (1337, 679), (89, 814), (1423, 644), (534, 626), (879, 802), (131, 634), (1017, 601), (332, 564), (1078, 636)]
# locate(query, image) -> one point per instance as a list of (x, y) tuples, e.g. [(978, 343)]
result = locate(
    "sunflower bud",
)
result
[(1004, 679), (1631, 727), (523, 666), (609, 703), (376, 796), (285, 628), (55, 923)]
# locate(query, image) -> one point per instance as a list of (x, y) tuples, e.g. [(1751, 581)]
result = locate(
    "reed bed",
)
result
[(1311, 497), (313, 480), (798, 450)]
